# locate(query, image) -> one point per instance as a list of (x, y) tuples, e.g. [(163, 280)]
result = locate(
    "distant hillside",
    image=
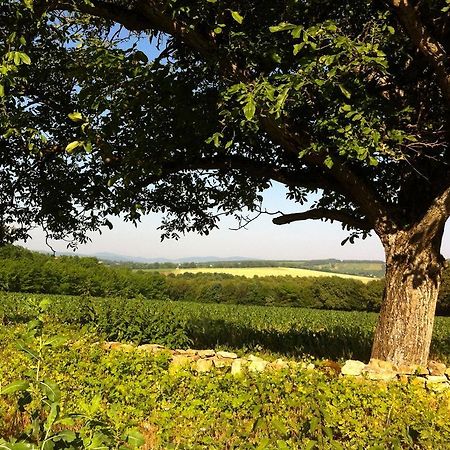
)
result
[(251, 272), (365, 268), (374, 269)]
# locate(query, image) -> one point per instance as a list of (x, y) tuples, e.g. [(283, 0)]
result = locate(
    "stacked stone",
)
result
[(206, 360), (436, 376)]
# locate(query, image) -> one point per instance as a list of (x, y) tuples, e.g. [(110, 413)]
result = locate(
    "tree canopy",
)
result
[(342, 98), (343, 84)]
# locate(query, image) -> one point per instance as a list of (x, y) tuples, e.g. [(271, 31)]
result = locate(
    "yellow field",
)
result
[(250, 272)]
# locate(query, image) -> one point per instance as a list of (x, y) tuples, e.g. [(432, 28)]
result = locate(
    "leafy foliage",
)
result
[(39, 400), (25, 271), (293, 408), (230, 100)]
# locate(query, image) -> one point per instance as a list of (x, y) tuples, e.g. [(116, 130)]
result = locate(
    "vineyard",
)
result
[(121, 394)]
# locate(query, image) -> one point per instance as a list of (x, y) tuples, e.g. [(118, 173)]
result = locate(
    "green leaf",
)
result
[(17, 446), (296, 32), (66, 421), (279, 426), (250, 108), (52, 416), (55, 341), (344, 91), (30, 352), (216, 139), (276, 57), (328, 162), (298, 47), (263, 444), (51, 390), (28, 4), (44, 304), (97, 442), (2, 90), (283, 26), (72, 146), (15, 386), (315, 421), (65, 435), (76, 116), (88, 146), (135, 438), (310, 445), (25, 58), (237, 17), (48, 445)]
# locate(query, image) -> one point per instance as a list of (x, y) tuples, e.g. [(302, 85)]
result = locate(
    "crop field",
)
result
[(294, 332), (132, 397), (251, 272)]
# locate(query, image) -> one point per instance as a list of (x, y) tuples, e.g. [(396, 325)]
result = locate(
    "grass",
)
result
[(251, 272)]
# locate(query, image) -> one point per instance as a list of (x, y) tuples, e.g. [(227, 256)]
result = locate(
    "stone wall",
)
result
[(436, 376)]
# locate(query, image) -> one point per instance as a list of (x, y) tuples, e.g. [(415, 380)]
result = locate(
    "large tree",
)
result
[(349, 99)]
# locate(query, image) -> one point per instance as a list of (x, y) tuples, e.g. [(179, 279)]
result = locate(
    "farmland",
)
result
[(251, 272), (117, 392), (294, 332)]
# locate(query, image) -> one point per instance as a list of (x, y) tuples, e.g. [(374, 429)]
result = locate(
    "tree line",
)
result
[(22, 270)]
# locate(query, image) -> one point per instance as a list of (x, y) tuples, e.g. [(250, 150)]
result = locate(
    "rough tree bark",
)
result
[(413, 276)]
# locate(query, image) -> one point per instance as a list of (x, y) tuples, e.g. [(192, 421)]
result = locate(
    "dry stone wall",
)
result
[(436, 376)]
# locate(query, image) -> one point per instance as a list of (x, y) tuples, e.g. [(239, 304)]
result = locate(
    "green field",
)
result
[(251, 272), (294, 332), (117, 394)]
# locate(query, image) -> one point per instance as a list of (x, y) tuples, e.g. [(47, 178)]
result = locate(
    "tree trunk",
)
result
[(413, 277)]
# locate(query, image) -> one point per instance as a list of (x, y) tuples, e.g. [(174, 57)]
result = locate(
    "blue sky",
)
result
[(301, 240)]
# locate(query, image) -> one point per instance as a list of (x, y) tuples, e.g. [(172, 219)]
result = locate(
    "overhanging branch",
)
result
[(323, 213), (303, 177), (146, 15)]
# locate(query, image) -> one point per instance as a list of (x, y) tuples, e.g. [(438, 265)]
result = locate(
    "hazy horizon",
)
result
[(262, 240)]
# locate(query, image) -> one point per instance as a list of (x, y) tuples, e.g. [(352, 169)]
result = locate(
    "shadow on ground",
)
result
[(334, 343)]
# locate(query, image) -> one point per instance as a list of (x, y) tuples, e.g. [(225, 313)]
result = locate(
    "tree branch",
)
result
[(323, 213), (436, 216), (430, 47), (144, 15), (305, 177), (147, 15)]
